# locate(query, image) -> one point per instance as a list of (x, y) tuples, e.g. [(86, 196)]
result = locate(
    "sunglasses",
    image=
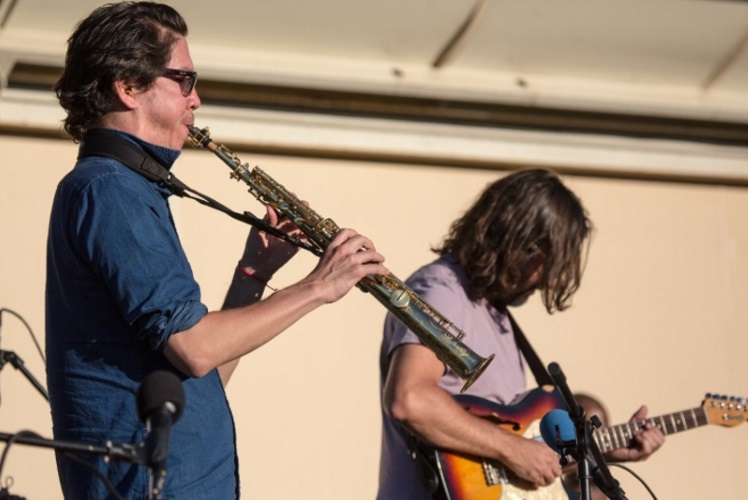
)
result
[(186, 79)]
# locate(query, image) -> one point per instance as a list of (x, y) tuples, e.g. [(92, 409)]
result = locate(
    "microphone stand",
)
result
[(111, 451), (13, 359), (125, 452), (584, 444)]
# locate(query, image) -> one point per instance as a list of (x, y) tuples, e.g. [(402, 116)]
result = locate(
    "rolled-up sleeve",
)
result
[(125, 231)]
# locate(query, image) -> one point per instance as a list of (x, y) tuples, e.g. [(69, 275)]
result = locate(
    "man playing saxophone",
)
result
[(121, 300), (525, 232)]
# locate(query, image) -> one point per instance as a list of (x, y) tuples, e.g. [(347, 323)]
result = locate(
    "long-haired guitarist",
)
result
[(526, 232)]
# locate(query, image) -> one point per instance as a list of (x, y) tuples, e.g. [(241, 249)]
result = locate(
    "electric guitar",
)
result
[(464, 477)]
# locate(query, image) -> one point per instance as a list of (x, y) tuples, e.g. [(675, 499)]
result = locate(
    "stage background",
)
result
[(660, 318)]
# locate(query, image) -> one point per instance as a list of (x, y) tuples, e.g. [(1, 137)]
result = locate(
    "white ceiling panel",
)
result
[(635, 42), (684, 59)]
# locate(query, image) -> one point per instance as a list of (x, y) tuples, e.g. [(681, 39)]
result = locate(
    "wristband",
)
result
[(255, 276)]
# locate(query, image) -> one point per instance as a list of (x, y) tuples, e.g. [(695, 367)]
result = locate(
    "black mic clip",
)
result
[(567, 450)]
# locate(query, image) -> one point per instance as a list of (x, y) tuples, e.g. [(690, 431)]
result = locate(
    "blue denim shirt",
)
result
[(118, 286)]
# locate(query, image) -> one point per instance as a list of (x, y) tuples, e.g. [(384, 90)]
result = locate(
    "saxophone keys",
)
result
[(399, 298)]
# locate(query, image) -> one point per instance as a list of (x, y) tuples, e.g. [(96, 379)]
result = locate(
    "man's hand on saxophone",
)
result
[(347, 259), (264, 254)]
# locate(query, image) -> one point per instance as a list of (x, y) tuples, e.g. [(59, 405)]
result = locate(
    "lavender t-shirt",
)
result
[(442, 285)]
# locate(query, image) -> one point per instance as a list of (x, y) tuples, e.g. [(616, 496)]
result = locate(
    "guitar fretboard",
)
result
[(619, 436)]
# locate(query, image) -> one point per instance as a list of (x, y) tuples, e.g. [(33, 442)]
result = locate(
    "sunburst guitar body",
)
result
[(464, 477)]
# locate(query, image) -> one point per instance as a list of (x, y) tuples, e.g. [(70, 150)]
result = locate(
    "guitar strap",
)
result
[(426, 468), (542, 377)]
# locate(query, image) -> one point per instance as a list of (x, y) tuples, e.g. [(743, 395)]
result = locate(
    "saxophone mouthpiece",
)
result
[(199, 137)]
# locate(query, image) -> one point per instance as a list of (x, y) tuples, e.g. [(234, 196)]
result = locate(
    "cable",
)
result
[(10, 442), (654, 497), (3, 458), (31, 332)]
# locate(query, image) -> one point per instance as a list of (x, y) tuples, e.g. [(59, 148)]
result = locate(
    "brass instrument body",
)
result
[(433, 330)]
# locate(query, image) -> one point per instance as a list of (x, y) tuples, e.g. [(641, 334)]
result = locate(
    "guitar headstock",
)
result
[(727, 411)]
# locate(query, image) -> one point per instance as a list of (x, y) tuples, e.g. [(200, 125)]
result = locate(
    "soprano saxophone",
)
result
[(433, 330)]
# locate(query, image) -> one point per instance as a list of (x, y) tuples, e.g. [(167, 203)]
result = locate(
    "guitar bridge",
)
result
[(495, 473)]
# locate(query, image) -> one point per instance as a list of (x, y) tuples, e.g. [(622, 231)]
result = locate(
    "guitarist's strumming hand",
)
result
[(643, 443), (532, 461)]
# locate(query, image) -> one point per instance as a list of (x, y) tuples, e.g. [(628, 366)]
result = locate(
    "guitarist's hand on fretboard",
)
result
[(643, 444)]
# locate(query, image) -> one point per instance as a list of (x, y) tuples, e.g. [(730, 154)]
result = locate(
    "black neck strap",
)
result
[(109, 144), (542, 377)]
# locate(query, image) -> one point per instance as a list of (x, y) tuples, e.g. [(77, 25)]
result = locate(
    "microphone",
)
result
[(559, 432), (160, 401)]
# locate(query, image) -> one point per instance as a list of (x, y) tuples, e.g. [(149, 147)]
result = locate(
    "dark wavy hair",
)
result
[(519, 219), (127, 41)]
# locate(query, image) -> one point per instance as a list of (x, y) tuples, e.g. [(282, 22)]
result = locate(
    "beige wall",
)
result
[(660, 317)]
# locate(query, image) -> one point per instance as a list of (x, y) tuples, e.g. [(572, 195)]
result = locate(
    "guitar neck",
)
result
[(620, 436)]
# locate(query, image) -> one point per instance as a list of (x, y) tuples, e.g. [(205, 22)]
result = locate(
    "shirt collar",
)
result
[(165, 156)]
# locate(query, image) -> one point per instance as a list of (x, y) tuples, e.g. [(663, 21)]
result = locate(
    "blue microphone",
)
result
[(558, 430)]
